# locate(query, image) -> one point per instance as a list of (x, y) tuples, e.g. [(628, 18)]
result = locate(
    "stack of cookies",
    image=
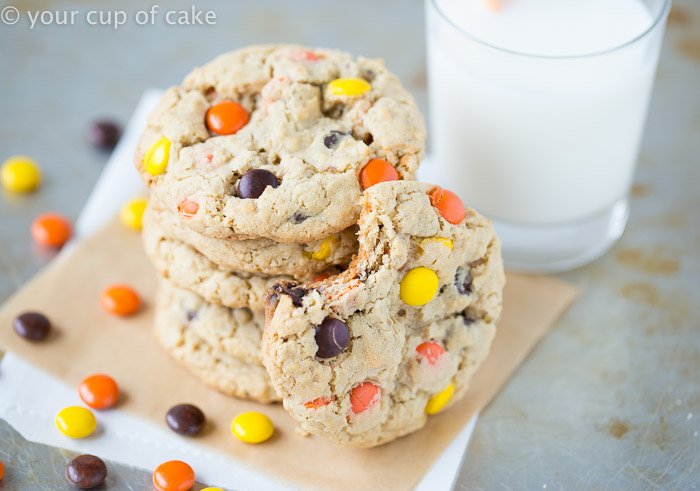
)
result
[(300, 260)]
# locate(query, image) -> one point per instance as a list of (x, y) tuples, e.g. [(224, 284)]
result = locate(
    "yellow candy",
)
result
[(438, 401), (418, 286), (324, 250), (76, 422), (443, 240), (132, 213), (156, 159), (252, 427), (20, 174), (349, 86)]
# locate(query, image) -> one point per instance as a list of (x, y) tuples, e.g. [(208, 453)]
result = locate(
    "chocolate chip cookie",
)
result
[(365, 356), (278, 142), (256, 256), (185, 326)]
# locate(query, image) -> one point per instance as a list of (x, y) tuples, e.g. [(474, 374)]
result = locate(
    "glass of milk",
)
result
[(537, 112)]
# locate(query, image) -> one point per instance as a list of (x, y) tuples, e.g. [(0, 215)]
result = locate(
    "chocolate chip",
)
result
[(463, 281), (191, 314), (298, 217), (86, 471), (296, 292), (332, 337), (368, 74), (333, 138), (104, 134), (32, 325), (254, 182), (468, 321), (185, 419)]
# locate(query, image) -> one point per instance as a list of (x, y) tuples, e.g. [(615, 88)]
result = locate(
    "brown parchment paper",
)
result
[(86, 340)]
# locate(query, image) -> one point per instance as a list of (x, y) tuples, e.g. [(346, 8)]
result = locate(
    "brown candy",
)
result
[(185, 419), (32, 326), (86, 471)]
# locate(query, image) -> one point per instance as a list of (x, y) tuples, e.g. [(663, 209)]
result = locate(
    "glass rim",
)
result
[(661, 15)]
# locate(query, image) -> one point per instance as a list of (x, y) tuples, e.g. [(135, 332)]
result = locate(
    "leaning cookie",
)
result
[(278, 142), (256, 256), (364, 357), (234, 376)]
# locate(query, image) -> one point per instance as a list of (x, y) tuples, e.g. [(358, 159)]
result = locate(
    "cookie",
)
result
[(177, 329), (363, 357), (257, 256), (278, 142), (186, 268)]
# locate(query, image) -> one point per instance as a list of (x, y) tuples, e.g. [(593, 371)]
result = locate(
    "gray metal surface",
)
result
[(609, 400), (34, 467)]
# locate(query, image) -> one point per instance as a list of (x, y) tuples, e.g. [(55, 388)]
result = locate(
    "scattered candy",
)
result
[(156, 158), (254, 182), (99, 391), (20, 174), (212, 489), (318, 402), (76, 422), (349, 86), (418, 286), (185, 419), (430, 351), (332, 337), (438, 401), (51, 230), (252, 427), (32, 326), (226, 118), (364, 396), (333, 138), (173, 475), (187, 208), (131, 213), (2, 469), (376, 171), (104, 134), (86, 471), (120, 300), (448, 204)]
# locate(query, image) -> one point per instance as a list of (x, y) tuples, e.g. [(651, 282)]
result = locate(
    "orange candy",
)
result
[(2, 469), (430, 351), (187, 208), (364, 396), (173, 475), (226, 118), (318, 402), (99, 391), (448, 204), (304, 55), (375, 171), (120, 300), (51, 230)]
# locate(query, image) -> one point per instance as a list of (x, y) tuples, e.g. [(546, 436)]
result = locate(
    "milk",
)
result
[(550, 134)]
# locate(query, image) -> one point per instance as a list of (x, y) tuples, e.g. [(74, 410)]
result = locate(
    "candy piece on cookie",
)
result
[(365, 356)]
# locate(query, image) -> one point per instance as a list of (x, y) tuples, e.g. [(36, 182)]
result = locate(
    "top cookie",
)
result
[(365, 356), (278, 142)]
